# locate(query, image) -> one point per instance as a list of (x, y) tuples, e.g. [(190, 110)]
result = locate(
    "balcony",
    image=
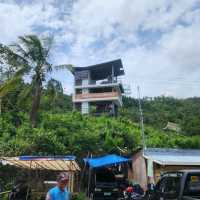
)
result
[(117, 85), (105, 96)]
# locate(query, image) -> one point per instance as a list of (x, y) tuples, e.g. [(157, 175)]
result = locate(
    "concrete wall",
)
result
[(85, 105), (139, 170)]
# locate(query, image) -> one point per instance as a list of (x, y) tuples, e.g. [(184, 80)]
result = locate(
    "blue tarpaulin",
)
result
[(29, 158), (104, 161)]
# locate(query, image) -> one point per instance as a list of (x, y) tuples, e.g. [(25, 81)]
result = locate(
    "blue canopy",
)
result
[(104, 161)]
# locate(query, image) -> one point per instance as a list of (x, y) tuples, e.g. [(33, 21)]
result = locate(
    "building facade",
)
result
[(97, 89), (149, 164)]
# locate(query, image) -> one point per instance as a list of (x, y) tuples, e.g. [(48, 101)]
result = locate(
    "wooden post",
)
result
[(89, 179)]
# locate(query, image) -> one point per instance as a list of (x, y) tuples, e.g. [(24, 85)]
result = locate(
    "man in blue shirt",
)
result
[(60, 191)]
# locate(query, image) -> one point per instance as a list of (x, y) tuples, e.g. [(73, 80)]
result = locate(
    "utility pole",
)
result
[(0, 106), (1, 83), (141, 120)]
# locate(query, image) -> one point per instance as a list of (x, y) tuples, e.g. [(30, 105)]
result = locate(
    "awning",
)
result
[(57, 163), (104, 161)]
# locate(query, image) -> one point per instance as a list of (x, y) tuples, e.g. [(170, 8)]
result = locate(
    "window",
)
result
[(105, 175), (192, 185), (172, 184), (169, 186)]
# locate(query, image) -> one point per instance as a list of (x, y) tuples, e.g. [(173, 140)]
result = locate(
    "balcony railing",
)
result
[(97, 84), (97, 95)]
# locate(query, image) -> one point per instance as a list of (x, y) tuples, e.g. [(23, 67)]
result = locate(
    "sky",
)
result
[(157, 40)]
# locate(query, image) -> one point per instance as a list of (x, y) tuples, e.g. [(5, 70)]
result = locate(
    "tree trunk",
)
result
[(35, 104)]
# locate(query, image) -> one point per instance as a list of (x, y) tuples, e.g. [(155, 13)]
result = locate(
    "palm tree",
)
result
[(54, 91), (10, 71), (30, 57)]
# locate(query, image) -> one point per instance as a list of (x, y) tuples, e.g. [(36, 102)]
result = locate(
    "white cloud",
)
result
[(19, 19), (13, 22), (158, 40), (160, 66), (182, 47)]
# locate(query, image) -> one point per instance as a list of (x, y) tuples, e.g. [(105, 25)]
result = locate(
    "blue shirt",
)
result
[(57, 194)]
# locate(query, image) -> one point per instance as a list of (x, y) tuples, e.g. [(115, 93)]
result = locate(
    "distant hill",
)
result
[(159, 111)]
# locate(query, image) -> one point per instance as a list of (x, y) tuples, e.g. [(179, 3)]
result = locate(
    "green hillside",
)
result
[(36, 118), (72, 133), (159, 110)]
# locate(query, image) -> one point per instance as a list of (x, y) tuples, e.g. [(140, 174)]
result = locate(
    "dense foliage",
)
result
[(72, 133), (160, 110), (59, 130), (29, 57)]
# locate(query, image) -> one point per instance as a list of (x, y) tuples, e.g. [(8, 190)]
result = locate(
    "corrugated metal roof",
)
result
[(173, 156), (48, 163), (102, 70)]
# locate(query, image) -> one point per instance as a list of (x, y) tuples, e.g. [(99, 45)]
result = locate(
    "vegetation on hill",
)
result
[(59, 130), (72, 133), (160, 110)]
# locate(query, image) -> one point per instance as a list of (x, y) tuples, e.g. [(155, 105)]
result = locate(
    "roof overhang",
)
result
[(102, 70), (178, 161)]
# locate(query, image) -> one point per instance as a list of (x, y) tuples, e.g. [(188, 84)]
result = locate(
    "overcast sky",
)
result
[(157, 40)]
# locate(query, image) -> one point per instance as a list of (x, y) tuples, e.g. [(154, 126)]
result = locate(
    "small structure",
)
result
[(97, 89), (50, 163), (172, 127), (149, 164), (104, 176)]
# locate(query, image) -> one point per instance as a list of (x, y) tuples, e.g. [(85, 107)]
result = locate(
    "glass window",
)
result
[(172, 185), (169, 186), (192, 186)]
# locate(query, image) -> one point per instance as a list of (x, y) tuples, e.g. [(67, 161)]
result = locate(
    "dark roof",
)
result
[(103, 70)]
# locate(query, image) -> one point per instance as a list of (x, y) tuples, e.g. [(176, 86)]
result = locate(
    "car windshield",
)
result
[(172, 184), (192, 185)]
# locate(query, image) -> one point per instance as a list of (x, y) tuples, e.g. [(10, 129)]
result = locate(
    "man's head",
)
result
[(62, 180)]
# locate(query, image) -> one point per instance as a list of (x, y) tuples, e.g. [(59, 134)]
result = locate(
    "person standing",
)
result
[(60, 192)]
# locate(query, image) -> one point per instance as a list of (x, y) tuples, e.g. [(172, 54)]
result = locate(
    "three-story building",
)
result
[(97, 89)]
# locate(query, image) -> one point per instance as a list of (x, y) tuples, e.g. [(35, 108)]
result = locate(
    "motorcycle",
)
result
[(133, 193)]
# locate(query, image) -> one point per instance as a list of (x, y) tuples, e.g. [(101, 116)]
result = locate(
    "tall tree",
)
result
[(54, 91), (30, 55), (11, 69)]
